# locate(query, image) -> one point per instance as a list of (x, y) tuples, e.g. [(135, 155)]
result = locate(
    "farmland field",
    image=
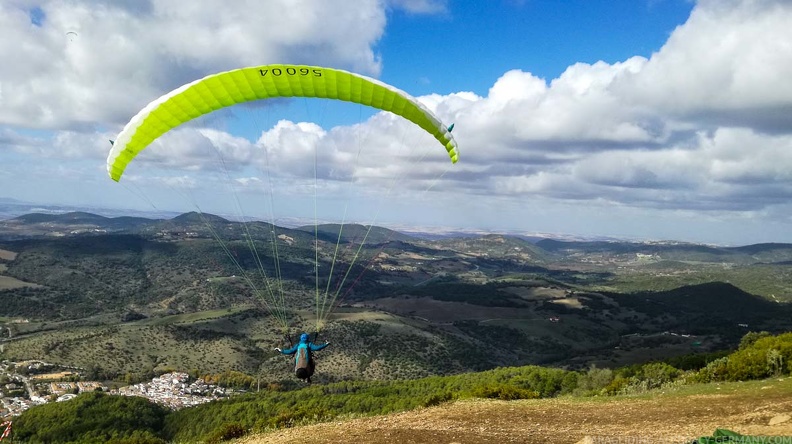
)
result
[(9, 283), (7, 255)]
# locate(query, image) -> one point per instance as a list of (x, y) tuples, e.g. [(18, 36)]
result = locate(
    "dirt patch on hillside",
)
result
[(569, 302), (9, 283), (536, 293), (664, 419), (444, 311), (51, 376), (410, 255), (7, 255)]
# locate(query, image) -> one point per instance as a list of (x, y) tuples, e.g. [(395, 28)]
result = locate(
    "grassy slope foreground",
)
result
[(669, 416), (654, 398)]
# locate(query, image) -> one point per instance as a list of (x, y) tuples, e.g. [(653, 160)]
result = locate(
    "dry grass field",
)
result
[(675, 416), (9, 283), (7, 255)]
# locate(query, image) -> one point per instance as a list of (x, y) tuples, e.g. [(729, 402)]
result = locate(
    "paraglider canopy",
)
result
[(263, 82)]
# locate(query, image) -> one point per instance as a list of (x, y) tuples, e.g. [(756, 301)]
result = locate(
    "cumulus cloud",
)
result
[(384, 151), (727, 65), (194, 149), (702, 125), (577, 109), (124, 54)]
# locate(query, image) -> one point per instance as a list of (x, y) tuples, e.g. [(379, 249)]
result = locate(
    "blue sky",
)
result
[(473, 42), (641, 119)]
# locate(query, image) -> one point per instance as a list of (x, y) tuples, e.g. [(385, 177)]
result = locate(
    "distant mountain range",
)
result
[(24, 219), (8, 200), (11, 208)]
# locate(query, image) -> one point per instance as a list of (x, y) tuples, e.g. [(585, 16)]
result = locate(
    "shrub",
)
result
[(570, 382), (714, 371), (138, 437), (437, 399), (765, 357), (594, 380), (226, 432), (503, 392), (751, 337), (292, 417), (695, 361), (92, 417), (617, 385), (658, 373), (760, 356)]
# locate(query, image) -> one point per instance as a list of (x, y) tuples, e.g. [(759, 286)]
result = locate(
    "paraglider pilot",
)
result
[(304, 364)]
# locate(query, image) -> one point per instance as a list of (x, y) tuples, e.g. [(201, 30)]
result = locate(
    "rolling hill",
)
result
[(105, 292)]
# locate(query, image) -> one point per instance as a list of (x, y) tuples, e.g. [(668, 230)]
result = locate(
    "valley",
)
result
[(134, 295)]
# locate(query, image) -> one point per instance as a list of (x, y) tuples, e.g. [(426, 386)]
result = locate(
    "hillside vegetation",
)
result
[(635, 388), (128, 297), (416, 323)]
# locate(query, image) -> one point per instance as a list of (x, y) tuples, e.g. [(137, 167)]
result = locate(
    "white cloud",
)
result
[(126, 53), (703, 124), (702, 127), (740, 156), (195, 149), (729, 63), (297, 149)]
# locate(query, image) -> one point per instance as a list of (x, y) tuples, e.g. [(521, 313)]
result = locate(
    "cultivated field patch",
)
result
[(51, 376), (444, 311), (569, 302), (10, 283), (536, 293)]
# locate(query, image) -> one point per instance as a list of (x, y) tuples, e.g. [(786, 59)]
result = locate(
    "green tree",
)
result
[(92, 418), (656, 374), (751, 337), (594, 380), (775, 362)]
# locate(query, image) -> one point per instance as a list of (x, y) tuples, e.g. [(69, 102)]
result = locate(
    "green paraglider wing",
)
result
[(262, 82)]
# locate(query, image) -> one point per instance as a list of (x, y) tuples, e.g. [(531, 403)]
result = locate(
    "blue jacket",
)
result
[(304, 344)]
